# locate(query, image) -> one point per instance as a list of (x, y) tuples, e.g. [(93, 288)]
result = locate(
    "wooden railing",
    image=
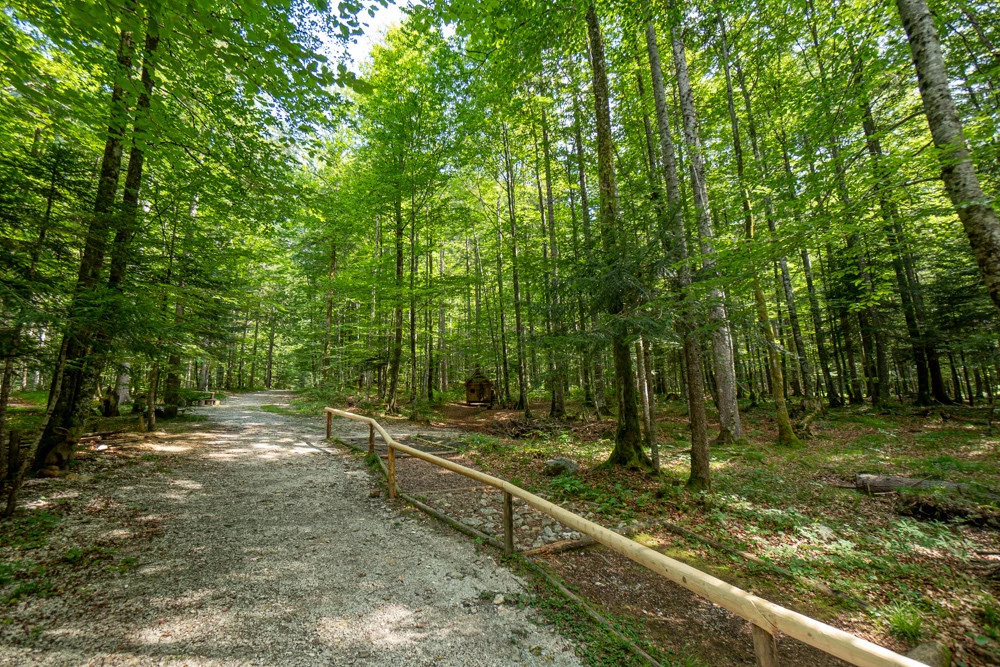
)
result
[(767, 619)]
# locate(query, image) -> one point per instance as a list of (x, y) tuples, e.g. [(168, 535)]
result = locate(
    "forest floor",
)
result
[(236, 536), (906, 567)]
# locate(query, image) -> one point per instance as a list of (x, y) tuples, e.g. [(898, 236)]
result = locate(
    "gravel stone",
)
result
[(271, 552)]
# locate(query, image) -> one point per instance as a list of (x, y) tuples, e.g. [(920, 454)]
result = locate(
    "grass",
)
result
[(26, 410), (26, 570), (904, 621), (281, 410), (27, 531), (783, 506)]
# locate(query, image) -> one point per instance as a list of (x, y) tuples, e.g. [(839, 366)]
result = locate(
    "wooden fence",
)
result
[(767, 619)]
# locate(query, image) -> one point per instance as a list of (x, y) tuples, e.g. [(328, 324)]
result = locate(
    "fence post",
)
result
[(329, 424), (508, 524), (764, 647), (371, 438), (392, 470)]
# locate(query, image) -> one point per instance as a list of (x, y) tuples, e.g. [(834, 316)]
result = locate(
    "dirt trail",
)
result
[(268, 550)]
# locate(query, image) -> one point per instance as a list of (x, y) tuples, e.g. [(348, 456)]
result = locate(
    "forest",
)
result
[(697, 228)]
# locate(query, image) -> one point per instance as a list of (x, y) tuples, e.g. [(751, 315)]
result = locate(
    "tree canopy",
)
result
[(599, 206)]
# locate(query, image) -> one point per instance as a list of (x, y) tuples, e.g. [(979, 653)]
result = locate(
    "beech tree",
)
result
[(602, 207)]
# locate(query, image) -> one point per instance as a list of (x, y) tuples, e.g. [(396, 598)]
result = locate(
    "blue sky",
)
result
[(384, 18)]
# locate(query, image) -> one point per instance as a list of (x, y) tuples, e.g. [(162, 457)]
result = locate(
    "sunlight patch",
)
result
[(168, 448), (186, 484)]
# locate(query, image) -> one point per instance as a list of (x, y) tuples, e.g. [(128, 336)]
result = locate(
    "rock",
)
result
[(561, 466), (934, 654), (498, 600), (535, 650), (472, 523)]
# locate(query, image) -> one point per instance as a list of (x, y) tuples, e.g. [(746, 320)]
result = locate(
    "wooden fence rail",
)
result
[(767, 618)]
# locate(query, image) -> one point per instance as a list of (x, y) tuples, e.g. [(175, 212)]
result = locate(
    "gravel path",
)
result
[(269, 551)]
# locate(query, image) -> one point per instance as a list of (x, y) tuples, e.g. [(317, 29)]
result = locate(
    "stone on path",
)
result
[(263, 531)]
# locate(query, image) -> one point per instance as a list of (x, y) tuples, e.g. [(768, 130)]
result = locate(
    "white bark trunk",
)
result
[(974, 208), (722, 342)]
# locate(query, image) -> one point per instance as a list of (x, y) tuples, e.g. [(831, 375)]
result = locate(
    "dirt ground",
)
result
[(683, 626), (903, 581), (244, 540)]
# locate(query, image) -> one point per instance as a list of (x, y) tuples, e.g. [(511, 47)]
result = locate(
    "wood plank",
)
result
[(765, 647)]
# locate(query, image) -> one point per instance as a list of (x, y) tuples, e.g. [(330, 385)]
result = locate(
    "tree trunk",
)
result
[(501, 311), (974, 209), (522, 381), (123, 382), (413, 303), (205, 381), (585, 362), (6, 381), (700, 478), (154, 382), (722, 344), (269, 375), (581, 168), (645, 383), (628, 440), (78, 379), (328, 331), (785, 434), (442, 357), (832, 395), (804, 368), (253, 353), (397, 343), (558, 409)]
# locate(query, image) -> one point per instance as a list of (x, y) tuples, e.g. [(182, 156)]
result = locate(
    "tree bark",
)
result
[(558, 409), (785, 434), (731, 428), (82, 365), (974, 208), (522, 380), (397, 343), (700, 478), (628, 438)]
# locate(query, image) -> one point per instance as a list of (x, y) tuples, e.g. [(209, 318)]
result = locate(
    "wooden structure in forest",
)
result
[(767, 620), (479, 390)]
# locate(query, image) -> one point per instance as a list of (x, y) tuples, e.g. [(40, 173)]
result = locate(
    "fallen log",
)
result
[(872, 484)]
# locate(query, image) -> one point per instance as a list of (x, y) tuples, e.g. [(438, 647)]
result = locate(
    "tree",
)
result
[(628, 442), (974, 209)]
